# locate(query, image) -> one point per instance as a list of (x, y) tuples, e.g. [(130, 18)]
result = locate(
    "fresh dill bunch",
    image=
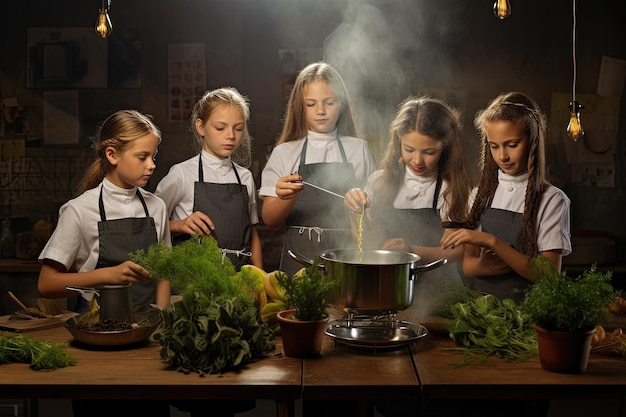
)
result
[(39, 354), (195, 266)]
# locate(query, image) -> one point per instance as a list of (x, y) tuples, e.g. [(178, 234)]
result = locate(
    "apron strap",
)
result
[(201, 171), (103, 216), (303, 152), (437, 190)]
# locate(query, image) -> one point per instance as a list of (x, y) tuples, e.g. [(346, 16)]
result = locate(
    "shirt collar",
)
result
[(117, 192), (222, 166), (322, 137), (519, 180), (418, 181)]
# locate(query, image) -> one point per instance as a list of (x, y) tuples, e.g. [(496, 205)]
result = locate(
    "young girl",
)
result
[(210, 194), (318, 145), (96, 231), (92, 239), (519, 214), (423, 181)]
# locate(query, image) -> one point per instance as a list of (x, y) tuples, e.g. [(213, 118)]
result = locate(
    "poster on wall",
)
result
[(186, 79), (66, 57)]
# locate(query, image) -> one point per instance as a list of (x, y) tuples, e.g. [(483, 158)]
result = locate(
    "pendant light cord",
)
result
[(574, 49)]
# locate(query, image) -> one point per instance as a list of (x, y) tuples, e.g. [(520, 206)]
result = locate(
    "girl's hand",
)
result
[(128, 273), (397, 244), (197, 222), (457, 237), (491, 263), (289, 186), (356, 200)]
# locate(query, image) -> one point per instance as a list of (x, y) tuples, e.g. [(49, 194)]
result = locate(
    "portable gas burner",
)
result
[(378, 332)]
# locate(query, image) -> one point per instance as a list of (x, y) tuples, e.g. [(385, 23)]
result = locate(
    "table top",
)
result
[(605, 376), (139, 373), (340, 372), (343, 372)]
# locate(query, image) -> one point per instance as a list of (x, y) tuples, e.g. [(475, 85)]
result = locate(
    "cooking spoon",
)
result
[(31, 311), (322, 189)]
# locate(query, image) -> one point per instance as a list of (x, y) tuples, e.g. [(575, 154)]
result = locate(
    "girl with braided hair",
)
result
[(517, 213)]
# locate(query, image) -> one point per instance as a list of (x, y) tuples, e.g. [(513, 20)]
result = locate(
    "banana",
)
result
[(268, 314), (278, 290), (270, 285)]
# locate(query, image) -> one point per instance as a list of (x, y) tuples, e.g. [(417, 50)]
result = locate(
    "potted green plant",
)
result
[(302, 324), (565, 312)]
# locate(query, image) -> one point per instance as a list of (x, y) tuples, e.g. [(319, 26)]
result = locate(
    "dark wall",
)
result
[(386, 50)]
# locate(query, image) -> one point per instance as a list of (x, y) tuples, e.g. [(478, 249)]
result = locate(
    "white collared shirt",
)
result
[(75, 242), (416, 191), (553, 218), (177, 187), (321, 147)]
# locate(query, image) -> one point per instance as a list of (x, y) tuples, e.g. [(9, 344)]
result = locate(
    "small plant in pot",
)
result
[(565, 309), (302, 324)]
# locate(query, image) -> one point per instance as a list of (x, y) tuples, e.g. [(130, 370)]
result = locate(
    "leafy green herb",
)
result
[(453, 293), (196, 266), (487, 326), (307, 292), (558, 302), (206, 336), (40, 355), (216, 326)]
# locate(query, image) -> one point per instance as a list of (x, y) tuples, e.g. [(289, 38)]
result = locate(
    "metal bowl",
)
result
[(117, 338)]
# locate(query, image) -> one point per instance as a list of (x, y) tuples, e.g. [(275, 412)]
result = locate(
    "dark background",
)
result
[(386, 50)]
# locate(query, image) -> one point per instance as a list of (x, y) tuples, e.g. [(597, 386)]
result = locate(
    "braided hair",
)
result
[(522, 111)]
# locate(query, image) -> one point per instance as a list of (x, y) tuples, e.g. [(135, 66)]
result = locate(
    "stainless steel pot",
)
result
[(116, 301), (371, 281)]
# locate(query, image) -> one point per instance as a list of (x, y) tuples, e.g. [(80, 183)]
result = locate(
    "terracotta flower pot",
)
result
[(301, 338), (564, 352)]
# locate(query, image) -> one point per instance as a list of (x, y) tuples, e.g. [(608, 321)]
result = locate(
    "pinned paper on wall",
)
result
[(60, 117), (592, 159), (186, 79)]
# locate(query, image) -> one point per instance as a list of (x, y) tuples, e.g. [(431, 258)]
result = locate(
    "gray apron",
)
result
[(421, 227), (507, 226), (118, 238), (318, 220), (227, 206)]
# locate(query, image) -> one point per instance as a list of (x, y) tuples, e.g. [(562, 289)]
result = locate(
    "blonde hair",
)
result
[(204, 108), (524, 113), (118, 131), (295, 126), (438, 120)]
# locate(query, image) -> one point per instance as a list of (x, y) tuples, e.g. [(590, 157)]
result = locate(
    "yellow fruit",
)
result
[(262, 300), (268, 314), (278, 290), (257, 273), (269, 287)]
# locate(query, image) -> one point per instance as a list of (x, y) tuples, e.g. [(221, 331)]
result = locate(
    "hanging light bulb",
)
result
[(103, 24), (502, 9), (575, 128)]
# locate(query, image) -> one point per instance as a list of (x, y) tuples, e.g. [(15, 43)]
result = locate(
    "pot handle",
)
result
[(302, 259), (429, 267), (82, 290)]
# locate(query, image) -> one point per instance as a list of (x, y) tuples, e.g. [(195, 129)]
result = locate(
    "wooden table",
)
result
[(139, 374), (342, 372), (604, 378)]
